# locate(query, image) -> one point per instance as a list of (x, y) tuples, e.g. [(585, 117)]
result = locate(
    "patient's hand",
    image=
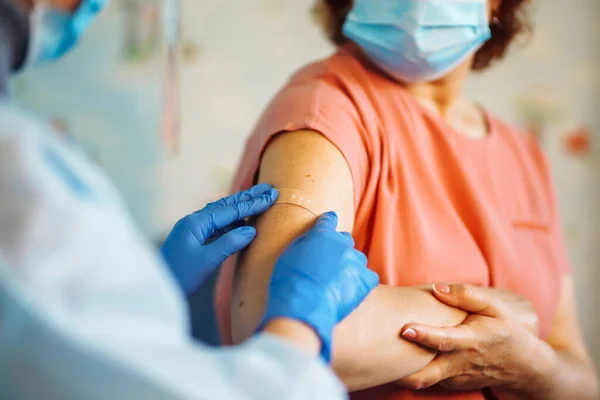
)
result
[(521, 307)]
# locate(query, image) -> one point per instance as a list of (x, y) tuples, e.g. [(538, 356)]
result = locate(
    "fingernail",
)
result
[(409, 334), (441, 288)]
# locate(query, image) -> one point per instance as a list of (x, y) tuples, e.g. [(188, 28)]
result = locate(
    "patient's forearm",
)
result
[(368, 349)]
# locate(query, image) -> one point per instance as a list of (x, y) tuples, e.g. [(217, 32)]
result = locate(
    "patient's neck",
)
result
[(13, 41), (442, 95)]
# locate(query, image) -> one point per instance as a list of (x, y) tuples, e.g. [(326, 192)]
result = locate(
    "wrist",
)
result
[(312, 313), (295, 333), (542, 370)]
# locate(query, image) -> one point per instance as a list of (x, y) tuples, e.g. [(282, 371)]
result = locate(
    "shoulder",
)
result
[(517, 136), (344, 67), (37, 170), (23, 138), (326, 98), (525, 146), (18, 125), (327, 89), (33, 156)]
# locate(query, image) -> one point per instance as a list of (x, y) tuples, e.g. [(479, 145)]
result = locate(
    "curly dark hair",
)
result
[(512, 22)]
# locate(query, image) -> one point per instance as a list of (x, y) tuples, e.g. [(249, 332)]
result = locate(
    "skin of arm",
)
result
[(367, 350), (296, 334), (566, 370)]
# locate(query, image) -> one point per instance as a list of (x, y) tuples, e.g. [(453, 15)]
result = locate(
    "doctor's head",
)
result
[(56, 26)]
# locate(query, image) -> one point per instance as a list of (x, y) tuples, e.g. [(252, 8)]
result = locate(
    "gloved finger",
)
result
[(230, 243), (362, 258), (246, 195), (371, 279), (238, 211), (326, 222), (254, 191), (348, 238), (297, 241), (221, 231)]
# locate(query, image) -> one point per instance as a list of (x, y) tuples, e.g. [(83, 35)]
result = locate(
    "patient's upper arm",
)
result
[(302, 160), (308, 161)]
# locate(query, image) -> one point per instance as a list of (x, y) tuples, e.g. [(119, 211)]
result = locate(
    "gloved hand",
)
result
[(189, 250), (319, 280)]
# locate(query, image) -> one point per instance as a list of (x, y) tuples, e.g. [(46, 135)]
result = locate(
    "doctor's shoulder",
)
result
[(35, 161)]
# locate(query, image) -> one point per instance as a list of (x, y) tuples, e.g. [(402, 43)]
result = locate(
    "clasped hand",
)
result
[(495, 345)]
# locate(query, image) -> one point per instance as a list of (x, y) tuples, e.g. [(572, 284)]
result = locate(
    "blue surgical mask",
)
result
[(55, 32), (418, 40)]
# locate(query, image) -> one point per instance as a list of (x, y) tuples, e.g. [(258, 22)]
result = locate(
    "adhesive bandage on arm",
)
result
[(306, 200)]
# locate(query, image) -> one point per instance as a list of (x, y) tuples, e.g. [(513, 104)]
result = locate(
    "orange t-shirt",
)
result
[(432, 205)]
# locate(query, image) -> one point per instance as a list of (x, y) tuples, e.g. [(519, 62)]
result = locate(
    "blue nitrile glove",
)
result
[(189, 251), (319, 280)]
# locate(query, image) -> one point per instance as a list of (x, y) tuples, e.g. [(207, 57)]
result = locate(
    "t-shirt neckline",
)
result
[(448, 129)]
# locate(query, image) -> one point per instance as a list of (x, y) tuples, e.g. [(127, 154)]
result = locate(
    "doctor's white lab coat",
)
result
[(88, 311)]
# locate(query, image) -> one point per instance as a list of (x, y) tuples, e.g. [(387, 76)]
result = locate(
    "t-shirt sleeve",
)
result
[(305, 103), (317, 105)]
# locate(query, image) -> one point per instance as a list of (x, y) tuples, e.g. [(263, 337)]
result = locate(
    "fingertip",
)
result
[(260, 188), (330, 214), (412, 332), (375, 278), (409, 334), (328, 220), (246, 231), (239, 238), (348, 237), (363, 258), (230, 243), (442, 289), (272, 194), (263, 187), (255, 206), (371, 280), (264, 202), (255, 191)]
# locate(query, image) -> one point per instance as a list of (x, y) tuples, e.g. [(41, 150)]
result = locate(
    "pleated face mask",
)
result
[(418, 40)]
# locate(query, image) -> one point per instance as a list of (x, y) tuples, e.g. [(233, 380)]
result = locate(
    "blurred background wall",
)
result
[(106, 97), (233, 56)]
